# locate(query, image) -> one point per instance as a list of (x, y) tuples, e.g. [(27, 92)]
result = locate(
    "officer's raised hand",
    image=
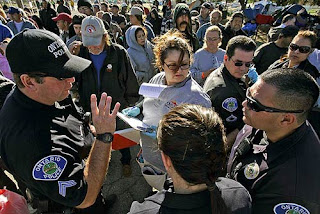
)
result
[(103, 120)]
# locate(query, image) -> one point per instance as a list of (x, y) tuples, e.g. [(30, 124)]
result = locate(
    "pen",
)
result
[(144, 129)]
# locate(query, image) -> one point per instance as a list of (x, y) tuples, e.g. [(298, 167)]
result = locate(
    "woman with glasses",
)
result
[(209, 57), (141, 53), (300, 48), (173, 58), (193, 149)]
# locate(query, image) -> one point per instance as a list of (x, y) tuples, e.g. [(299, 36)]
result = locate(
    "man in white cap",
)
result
[(111, 71)]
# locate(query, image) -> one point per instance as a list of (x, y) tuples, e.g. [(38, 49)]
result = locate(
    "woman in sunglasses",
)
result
[(193, 149), (173, 58), (300, 48)]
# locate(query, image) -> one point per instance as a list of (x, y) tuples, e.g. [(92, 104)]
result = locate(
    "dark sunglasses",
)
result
[(256, 106), (176, 67), (302, 49), (239, 63), (45, 75)]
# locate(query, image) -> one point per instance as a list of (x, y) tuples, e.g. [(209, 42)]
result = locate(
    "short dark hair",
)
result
[(288, 17), (96, 6), (236, 15), (17, 79), (289, 31), (194, 138), (241, 42), (105, 4), (296, 90)]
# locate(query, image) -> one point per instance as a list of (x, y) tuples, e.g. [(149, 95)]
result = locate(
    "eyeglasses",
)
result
[(212, 39), (239, 63), (256, 106), (183, 66), (45, 75), (302, 49)]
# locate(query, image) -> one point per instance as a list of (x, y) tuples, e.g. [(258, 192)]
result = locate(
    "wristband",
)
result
[(202, 75)]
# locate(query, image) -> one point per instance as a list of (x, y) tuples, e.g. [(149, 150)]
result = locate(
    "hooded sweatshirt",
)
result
[(191, 37), (142, 57)]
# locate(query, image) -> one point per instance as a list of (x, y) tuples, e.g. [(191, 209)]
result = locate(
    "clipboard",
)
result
[(135, 123)]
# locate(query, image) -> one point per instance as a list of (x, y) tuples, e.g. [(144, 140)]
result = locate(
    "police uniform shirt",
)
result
[(234, 195), (283, 176), (227, 94), (40, 145)]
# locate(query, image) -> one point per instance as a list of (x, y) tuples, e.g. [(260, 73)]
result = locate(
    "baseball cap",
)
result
[(13, 10), (92, 31), (136, 11), (124, 4), (44, 52), (63, 16), (77, 19), (206, 5)]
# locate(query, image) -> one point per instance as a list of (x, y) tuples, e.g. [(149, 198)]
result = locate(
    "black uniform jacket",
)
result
[(41, 146), (281, 176), (226, 94)]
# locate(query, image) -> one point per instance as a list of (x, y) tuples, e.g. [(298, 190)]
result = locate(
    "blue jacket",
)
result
[(5, 32), (26, 24)]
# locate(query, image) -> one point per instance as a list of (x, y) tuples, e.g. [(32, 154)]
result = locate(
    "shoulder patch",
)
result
[(230, 104), (290, 208), (49, 168), (63, 185)]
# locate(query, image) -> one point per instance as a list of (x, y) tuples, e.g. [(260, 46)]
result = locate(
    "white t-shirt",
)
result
[(18, 25)]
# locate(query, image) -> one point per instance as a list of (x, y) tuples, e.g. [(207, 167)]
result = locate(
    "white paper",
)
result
[(133, 122), (151, 90)]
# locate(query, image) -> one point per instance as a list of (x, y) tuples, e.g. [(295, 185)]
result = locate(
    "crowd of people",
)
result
[(235, 128)]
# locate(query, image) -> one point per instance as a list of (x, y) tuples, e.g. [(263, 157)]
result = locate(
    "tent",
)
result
[(290, 9)]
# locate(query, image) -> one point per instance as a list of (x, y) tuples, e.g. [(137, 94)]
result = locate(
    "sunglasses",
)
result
[(256, 106), (176, 67), (45, 75), (302, 49), (239, 63)]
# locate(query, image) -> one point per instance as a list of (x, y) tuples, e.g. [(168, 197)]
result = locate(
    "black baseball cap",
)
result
[(34, 50), (206, 5)]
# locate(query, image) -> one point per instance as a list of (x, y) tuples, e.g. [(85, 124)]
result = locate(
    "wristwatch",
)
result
[(105, 137)]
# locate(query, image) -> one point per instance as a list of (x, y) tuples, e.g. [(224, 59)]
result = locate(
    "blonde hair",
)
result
[(172, 40), (212, 29)]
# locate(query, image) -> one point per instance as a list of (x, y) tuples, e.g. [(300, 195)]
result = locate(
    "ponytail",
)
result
[(217, 204)]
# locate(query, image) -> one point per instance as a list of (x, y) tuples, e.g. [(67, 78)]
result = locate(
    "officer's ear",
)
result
[(288, 119), (28, 82), (225, 58)]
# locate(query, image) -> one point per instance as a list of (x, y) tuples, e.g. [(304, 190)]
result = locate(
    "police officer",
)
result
[(41, 131), (226, 85), (277, 154)]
